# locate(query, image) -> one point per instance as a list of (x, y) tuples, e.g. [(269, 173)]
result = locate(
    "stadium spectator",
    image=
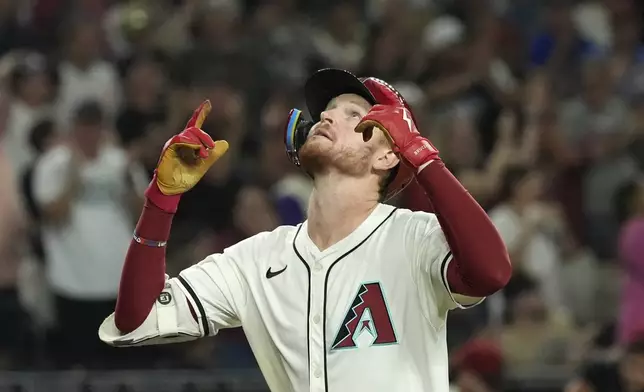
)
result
[(14, 335), (535, 336), (594, 126), (559, 48), (532, 230), (478, 367), (625, 374), (340, 41), (32, 85), (629, 204), (82, 189), (85, 75)]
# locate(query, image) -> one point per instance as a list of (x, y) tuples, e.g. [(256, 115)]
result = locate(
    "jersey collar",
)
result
[(305, 246)]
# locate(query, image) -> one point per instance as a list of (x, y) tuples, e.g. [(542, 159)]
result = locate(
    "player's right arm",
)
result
[(200, 301), (142, 309)]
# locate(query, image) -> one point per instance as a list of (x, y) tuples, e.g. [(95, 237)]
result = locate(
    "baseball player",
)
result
[(353, 299)]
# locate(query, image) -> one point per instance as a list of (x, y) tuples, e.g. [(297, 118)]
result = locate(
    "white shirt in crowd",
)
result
[(85, 254), (541, 256), (15, 139)]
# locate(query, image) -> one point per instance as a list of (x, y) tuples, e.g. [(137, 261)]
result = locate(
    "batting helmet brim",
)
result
[(326, 84)]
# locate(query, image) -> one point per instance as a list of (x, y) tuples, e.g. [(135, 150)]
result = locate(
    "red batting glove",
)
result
[(184, 161), (398, 126)]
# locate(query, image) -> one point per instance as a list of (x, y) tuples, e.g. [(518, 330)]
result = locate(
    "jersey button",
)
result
[(317, 373), (316, 318), (317, 267)]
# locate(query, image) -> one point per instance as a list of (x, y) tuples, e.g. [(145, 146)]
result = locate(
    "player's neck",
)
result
[(336, 208)]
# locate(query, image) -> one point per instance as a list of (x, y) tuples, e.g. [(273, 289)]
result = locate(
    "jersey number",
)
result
[(367, 321)]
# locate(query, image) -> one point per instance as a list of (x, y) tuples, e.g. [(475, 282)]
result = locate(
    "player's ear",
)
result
[(385, 159)]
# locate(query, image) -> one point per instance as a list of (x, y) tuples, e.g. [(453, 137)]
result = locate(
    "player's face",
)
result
[(334, 143)]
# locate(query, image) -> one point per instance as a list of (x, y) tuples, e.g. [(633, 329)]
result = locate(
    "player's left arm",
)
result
[(476, 263)]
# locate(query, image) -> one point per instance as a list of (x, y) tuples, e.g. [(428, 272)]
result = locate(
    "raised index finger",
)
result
[(199, 115)]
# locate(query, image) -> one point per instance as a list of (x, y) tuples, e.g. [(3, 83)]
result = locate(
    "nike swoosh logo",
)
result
[(271, 274)]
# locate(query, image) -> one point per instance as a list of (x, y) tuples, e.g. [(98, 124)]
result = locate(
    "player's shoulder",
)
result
[(281, 236), (407, 218)]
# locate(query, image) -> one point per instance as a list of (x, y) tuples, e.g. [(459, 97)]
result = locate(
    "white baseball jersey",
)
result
[(366, 314)]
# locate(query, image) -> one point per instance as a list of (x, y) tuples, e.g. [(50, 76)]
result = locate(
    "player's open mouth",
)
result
[(325, 134)]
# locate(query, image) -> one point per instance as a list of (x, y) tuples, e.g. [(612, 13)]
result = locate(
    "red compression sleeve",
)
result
[(143, 275), (480, 265)]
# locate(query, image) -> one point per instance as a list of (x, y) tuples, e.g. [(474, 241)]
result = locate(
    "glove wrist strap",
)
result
[(424, 165), (167, 203), (419, 153)]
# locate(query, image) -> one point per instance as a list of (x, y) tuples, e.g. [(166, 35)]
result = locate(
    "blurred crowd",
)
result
[(537, 106)]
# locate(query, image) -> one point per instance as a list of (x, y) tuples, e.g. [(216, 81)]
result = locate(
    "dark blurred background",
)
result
[(536, 105)]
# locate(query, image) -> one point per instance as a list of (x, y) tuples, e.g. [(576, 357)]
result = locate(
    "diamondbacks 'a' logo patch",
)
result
[(367, 322)]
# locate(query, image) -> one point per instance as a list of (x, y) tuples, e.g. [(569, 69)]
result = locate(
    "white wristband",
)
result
[(424, 165)]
